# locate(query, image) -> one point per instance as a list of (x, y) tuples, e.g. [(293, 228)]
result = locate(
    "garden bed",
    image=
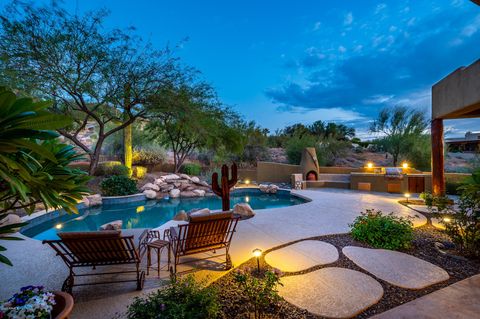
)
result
[(234, 304)]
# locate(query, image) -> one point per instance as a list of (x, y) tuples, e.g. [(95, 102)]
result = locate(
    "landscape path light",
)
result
[(407, 196), (257, 252)]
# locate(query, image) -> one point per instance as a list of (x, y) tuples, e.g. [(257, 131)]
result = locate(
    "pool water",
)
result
[(151, 214)]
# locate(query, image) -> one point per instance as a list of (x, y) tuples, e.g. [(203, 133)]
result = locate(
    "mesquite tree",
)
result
[(187, 116), (84, 68), (400, 126)]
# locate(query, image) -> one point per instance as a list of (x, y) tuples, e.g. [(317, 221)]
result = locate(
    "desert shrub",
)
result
[(261, 293), (295, 146), (191, 169), (463, 225), (139, 172), (329, 149), (382, 231), (184, 298), (441, 202), (118, 185), (112, 168), (148, 156)]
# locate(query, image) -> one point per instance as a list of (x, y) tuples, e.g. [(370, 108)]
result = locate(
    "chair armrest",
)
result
[(143, 238)]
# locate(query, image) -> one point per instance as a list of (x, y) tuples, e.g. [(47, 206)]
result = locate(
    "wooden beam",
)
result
[(438, 173)]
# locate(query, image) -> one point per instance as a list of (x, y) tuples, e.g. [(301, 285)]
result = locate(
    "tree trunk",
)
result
[(95, 156), (127, 133), (127, 146)]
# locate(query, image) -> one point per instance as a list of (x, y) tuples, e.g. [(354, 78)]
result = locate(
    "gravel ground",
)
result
[(234, 304)]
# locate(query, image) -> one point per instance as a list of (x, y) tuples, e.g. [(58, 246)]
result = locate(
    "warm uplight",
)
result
[(257, 252), (447, 220), (370, 165), (58, 226), (247, 199), (247, 181), (405, 165), (140, 209)]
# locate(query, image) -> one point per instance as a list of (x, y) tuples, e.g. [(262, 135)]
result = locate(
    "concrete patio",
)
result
[(329, 212)]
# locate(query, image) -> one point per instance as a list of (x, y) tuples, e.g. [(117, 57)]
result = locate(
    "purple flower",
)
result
[(162, 307)]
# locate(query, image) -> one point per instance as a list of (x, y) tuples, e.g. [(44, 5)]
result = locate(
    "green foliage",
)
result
[(34, 166), (295, 146), (184, 298), (187, 116), (192, 169), (329, 149), (139, 172), (82, 65), (261, 293), (441, 202), (118, 185), (110, 168), (400, 127), (451, 187), (149, 156), (417, 151), (255, 148), (382, 231)]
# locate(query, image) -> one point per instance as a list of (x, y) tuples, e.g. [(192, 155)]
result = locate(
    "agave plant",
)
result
[(33, 163)]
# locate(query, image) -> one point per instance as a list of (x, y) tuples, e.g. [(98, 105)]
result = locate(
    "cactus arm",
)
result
[(215, 187), (234, 179)]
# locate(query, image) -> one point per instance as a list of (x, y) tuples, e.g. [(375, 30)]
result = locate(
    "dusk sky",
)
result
[(282, 62)]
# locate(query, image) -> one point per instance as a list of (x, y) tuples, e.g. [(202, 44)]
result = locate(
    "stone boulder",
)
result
[(113, 225), (181, 216), (185, 176), (199, 212), (199, 192), (159, 181), (188, 194), (9, 220), (244, 210), (170, 177), (269, 189), (195, 179), (174, 193), (150, 186), (150, 194), (93, 200)]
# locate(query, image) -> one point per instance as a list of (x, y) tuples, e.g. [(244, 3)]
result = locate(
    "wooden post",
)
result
[(438, 174)]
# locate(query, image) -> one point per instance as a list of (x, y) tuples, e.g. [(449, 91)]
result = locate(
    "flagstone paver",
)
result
[(397, 268), (302, 255), (332, 292), (459, 301)]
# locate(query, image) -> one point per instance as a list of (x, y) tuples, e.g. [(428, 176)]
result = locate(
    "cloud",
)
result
[(391, 70), (317, 26), (348, 19)]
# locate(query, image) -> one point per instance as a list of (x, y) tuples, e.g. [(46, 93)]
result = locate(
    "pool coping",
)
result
[(42, 216)]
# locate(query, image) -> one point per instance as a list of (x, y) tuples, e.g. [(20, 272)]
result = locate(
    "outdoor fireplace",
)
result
[(309, 164)]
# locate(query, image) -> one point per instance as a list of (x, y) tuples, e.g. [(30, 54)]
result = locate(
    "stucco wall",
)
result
[(457, 94), (276, 172)]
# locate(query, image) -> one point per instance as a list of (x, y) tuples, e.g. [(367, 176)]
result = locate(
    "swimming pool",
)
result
[(153, 213)]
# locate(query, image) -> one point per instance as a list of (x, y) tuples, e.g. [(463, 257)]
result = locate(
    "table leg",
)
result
[(159, 253), (149, 259)]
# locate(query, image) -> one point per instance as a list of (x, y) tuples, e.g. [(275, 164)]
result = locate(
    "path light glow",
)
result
[(247, 181), (447, 220), (405, 165), (407, 196), (257, 252)]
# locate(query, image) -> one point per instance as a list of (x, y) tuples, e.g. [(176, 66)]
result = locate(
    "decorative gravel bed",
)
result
[(234, 305)]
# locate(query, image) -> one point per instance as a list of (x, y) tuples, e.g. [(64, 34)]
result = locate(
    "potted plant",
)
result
[(36, 302)]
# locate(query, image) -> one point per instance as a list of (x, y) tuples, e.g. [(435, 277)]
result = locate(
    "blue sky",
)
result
[(282, 62)]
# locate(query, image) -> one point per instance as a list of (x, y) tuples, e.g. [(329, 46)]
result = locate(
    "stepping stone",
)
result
[(459, 301), (332, 292), (302, 255), (397, 268)]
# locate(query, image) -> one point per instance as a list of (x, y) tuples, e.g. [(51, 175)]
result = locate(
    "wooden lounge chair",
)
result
[(203, 233), (98, 248)]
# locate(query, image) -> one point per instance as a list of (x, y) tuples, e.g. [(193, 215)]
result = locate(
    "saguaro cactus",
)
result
[(223, 190)]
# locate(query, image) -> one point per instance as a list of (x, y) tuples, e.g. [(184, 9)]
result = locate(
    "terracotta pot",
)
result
[(63, 306)]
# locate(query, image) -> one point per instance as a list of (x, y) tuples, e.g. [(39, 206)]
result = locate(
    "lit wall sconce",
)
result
[(370, 165)]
